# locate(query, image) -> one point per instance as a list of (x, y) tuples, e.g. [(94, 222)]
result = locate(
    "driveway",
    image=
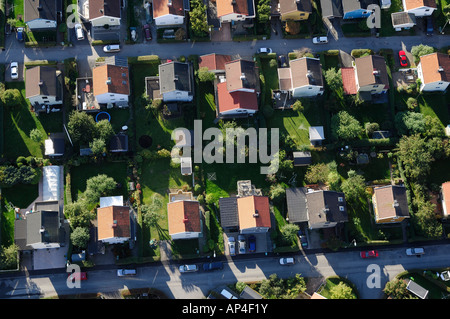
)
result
[(223, 34)]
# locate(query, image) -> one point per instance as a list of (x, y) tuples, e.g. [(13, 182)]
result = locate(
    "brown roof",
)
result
[(285, 79), (241, 74), (183, 216), (100, 8), (247, 209), (412, 4), (235, 100), (162, 8), (306, 71), (225, 7), (287, 6), (41, 80), (119, 79), (391, 201), (371, 70), (113, 221), (435, 67), (348, 80), (213, 61)]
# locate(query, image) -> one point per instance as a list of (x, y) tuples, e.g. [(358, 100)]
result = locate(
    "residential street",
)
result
[(167, 278)]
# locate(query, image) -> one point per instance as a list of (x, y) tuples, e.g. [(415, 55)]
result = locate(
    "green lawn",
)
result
[(332, 282), (17, 11), (434, 104)]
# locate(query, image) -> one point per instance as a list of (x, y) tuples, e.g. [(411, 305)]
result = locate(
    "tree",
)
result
[(198, 19), (419, 50), (8, 257), (341, 291), (98, 146), (292, 27), (317, 173), (104, 130), (298, 106), (333, 78), (36, 135), (11, 98), (289, 232), (78, 214), (371, 127), (82, 128), (344, 126), (412, 103), (396, 289), (426, 223), (272, 288), (277, 192), (354, 187), (204, 75), (415, 154), (80, 237), (263, 11), (408, 123), (97, 186)]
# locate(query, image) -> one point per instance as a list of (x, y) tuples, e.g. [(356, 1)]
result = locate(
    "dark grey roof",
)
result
[(250, 79), (40, 9), (324, 206), (228, 212), (119, 143), (331, 8), (314, 72), (175, 76), (302, 158), (43, 227), (249, 293), (401, 18), (296, 204)]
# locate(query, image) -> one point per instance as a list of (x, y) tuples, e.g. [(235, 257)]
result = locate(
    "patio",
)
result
[(85, 97), (404, 77)]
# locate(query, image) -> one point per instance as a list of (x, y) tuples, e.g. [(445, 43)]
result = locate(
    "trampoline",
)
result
[(102, 116)]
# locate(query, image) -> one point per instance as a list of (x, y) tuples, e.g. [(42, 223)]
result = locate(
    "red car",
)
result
[(147, 32), (403, 59), (78, 275), (369, 254)]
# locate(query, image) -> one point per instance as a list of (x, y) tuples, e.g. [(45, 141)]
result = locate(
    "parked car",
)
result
[(241, 243), (147, 32), (320, 40), (20, 34), (188, 268), (78, 275), (213, 266), (110, 48), (415, 251), (79, 31), (303, 239), (126, 272), (252, 244), (429, 22), (232, 246), (133, 34), (287, 261), (403, 59), (282, 61), (369, 254), (14, 70), (169, 34), (264, 50)]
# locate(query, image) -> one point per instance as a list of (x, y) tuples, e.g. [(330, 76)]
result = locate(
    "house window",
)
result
[(310, 88), (426, 10), (302, 14), (375, 86), (341, 199)]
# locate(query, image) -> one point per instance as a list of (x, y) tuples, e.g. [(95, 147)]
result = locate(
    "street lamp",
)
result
[(352, 242)]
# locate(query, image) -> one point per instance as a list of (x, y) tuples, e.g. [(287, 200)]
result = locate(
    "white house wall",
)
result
[(169, 19), (101, 21), (307, 91), (111, 98), (51, 100), (41, 24), (178, 96)]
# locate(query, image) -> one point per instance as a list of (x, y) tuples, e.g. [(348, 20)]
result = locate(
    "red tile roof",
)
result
[(348, 80), (235, 100), (183, 216), (113, 221), (213, 61)]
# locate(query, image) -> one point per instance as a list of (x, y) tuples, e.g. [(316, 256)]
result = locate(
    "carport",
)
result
[(263, 242)]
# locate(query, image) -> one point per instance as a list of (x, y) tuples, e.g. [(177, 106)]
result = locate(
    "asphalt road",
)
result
[(362, 272)]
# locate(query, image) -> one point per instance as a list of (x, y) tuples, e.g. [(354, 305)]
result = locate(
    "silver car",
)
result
[(188, 268), (241, 242), (232, 246), (14, 70), (110, 48)]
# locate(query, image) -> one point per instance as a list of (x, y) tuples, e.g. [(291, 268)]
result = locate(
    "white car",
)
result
[(14, 70), (232, 246), (241, 242), (320, 40), (265, 50), (110, 48), (126, 272), (415, 251), (188, 268), (79, 31), (287, 261)]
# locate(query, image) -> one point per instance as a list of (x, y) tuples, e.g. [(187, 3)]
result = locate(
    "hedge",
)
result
[(144, 59)]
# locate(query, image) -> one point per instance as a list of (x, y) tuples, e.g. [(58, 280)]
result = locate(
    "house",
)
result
[(100, 12), (111, 84), (303, 78), (43, 87), (228, 213), (235, 104), (119, 143), (357, 9), (41, 15), (433, 71), (296, 205), (316, 135), (253, 214), (445, 199), (214, 62), (403, 20), (417, 289), (113, 224), (331, 8), (390, 204), (235, 10), (302, 158), (294, 10), (420, 8), (54, 145), (367, 76), (326, 209), (176, 82), (242, 75), (184, 218), (169, 12)]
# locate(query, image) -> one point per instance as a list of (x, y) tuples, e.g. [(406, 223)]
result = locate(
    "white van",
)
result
[(79, 31), (415, 251), (111, 48)]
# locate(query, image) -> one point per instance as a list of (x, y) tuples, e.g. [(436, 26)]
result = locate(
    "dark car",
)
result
[(147, 32), (303, 239), (213, 266), (282, 61), (20, 34), (252, 244), (429, 22)]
